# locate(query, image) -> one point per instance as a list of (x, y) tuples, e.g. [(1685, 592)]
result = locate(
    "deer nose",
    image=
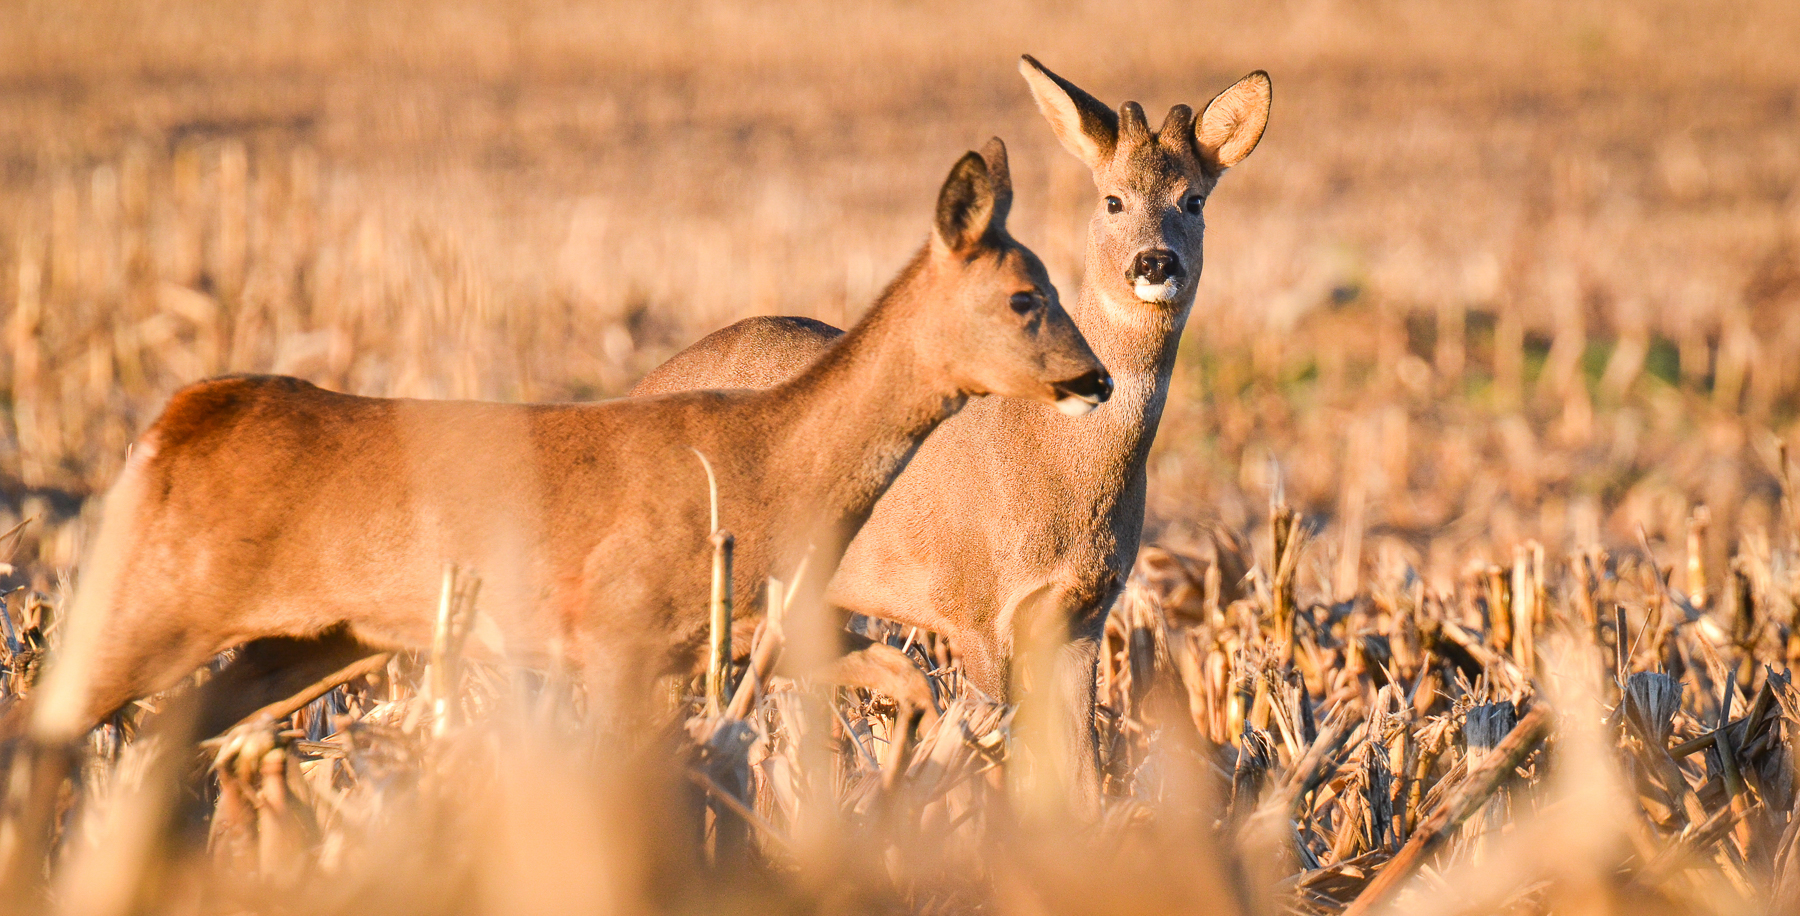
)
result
[(1158, 265)]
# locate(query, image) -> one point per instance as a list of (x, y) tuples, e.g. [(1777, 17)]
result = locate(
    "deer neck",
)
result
[(1137, 342), (856, 416), (1098, 461)]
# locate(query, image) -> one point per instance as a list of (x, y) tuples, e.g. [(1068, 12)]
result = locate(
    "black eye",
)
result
[(1192, 204), (1114, 205), (1023, 303)]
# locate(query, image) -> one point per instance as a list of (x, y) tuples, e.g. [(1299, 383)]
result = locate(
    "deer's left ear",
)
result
[(966, 204), (1233, 122)]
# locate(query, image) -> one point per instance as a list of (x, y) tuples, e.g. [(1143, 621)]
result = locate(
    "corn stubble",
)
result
[(1403, 755)]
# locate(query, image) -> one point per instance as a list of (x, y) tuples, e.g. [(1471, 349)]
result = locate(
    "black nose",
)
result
[(1158, 265), (1096, 386)]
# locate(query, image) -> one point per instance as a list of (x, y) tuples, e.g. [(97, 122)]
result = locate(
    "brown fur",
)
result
[(756, 353), (264, 508), (1011, 504)]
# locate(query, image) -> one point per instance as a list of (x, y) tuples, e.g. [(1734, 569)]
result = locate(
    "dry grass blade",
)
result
[(1272, 821), (731, 802), (1693, 841), (765, 652), (718, 662), (1476, 788)]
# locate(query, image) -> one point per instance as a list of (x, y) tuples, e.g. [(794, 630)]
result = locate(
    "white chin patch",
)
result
[(1075, 406), (1156, 292)]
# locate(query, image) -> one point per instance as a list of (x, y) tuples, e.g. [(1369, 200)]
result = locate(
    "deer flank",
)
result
[(266, 511)]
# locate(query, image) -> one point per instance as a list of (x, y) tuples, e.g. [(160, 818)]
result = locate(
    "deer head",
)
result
[(1015, 339), (1145, 239)]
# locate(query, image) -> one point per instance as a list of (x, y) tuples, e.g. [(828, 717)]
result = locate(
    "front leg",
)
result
[(1075, 685), (1057, 640)]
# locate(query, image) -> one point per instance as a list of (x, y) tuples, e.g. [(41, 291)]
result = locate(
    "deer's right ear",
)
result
[(965, 208), (1000, 174), (1086, 128)]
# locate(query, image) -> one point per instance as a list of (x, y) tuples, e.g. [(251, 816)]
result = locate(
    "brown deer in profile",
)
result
[(265, 509), (1011, 503)]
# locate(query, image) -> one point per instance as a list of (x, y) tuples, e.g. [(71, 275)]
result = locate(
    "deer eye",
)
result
[(1192, 204), (1113, 204), (1023, 303)]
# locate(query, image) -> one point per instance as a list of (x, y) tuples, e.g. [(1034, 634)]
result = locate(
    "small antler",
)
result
[(1176, 133), (1132, 126)]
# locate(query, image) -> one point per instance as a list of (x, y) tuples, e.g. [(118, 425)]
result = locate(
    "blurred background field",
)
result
[(1501, 278)]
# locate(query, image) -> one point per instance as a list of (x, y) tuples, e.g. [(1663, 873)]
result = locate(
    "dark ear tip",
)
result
[(999, 174), (965, 204), (971, 164), (970, 174)]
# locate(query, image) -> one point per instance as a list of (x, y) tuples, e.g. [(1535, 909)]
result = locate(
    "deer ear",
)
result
[(1233, 122), (994, 154), (1086, 128), (965, 206)]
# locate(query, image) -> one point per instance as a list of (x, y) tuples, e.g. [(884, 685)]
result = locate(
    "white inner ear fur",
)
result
[(1063, 114), (1233, 122)]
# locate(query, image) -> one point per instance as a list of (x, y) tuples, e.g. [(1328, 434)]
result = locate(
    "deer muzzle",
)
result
[(1156, 275), (1083, 393)]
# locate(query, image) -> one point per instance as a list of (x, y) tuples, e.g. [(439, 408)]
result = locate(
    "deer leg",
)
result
[(985, 664), (1061, 648), (137, 665), (883, 668), (133, 658), (1075, 686), (278, 675)]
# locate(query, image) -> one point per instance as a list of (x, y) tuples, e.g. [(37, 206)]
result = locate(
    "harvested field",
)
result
[(1473, 560)]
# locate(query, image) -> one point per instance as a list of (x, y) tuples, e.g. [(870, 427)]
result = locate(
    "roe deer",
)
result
[(1010, 501), (265, 509)]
